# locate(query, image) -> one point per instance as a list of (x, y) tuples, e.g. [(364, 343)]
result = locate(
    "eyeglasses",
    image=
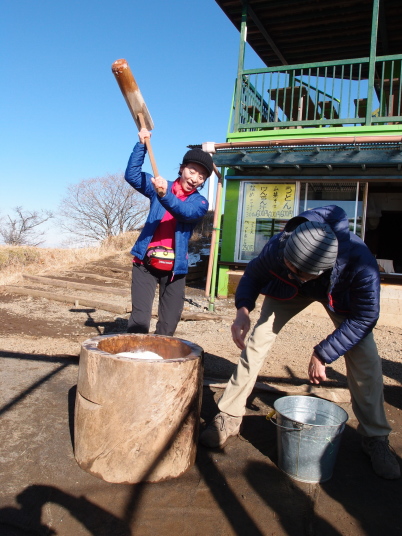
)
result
[(297, 274)]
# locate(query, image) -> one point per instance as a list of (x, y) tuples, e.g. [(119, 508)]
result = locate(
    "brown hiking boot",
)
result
[(220, 429), (382, 456)]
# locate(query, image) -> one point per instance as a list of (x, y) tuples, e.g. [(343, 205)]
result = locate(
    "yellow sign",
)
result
[(263, 202), (274, 201)]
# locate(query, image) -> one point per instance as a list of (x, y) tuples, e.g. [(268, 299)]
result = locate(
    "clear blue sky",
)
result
[(63, 118)]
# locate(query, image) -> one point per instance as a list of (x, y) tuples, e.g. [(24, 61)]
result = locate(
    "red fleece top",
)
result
[(164, 233)]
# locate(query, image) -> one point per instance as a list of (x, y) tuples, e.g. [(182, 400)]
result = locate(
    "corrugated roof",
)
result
[(316, 30)]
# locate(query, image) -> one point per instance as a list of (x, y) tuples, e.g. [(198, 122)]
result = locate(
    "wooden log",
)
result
[(188, 316), (96, 276), (80, 300), (137, 420), (117, 270), (78, 286), (338, 395), (199, 316), (105, 306)]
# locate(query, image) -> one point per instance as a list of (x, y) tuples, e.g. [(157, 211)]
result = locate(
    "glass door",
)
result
[(347, 195)]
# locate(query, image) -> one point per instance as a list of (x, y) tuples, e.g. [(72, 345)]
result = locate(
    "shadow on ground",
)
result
[(238, 490)]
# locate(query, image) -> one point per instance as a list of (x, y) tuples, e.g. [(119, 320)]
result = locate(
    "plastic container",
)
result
[(309, 431)]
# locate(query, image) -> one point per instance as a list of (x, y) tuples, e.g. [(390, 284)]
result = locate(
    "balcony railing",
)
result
[(320, 95)]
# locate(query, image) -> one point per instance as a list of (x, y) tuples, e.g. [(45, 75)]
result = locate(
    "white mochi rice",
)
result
[(140, 354)]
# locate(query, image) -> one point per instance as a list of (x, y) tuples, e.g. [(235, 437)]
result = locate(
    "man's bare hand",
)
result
[(316, 370), (240, 327)]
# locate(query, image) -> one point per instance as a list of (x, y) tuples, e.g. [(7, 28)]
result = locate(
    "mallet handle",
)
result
[(159, 191), (149, 147)]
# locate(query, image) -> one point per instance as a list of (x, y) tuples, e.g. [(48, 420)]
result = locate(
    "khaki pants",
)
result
[(363, 366)]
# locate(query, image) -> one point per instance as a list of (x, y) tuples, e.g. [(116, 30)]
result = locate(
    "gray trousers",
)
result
[(363, 365), (171, 300)]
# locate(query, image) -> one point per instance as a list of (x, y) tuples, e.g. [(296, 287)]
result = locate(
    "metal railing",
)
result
[(319, 95)]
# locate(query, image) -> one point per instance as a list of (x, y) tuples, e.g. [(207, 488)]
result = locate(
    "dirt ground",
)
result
[(238, 490)]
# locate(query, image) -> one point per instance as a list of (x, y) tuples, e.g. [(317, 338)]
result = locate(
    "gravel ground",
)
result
[(238, 490), (37, 325)]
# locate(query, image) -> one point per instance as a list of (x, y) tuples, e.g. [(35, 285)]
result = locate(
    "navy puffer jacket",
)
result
[(187, 212), (352, 289)]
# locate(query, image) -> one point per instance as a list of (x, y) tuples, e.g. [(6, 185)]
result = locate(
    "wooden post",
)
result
[(300, 110), (372, 61), (276, 113), (391, 106), (215, 224)]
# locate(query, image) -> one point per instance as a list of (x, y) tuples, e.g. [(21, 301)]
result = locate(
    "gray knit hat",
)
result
[(312, 247)]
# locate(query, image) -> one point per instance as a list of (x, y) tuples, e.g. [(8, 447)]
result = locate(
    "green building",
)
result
[(320, 124)]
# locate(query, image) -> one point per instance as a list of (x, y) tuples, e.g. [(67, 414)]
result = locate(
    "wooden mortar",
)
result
[(137, 420)]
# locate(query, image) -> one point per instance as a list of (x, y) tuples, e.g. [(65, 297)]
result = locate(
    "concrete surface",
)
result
[(236, 491)]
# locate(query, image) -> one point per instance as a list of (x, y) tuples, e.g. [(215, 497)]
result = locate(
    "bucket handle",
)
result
[(297, 426)]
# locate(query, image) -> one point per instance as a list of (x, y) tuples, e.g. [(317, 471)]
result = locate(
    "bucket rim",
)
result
[(327, 402)]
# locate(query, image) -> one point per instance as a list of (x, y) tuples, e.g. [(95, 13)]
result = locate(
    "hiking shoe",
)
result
[(382, 456), (220, 429)]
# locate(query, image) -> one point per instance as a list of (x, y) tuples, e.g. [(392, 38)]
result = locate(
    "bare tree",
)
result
[(96, 209), (21, 229)]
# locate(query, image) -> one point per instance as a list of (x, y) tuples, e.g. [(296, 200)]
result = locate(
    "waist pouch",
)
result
[(159, 258)]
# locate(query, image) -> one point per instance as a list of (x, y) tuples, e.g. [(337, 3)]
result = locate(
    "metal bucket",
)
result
[(308, 435)]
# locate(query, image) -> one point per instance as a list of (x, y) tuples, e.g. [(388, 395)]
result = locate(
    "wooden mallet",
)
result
[(136, 105)]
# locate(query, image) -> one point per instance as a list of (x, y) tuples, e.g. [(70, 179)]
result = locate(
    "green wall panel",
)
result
[(288, 133), (230, 221), (223, 282)]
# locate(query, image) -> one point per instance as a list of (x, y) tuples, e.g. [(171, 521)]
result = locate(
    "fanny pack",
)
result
[(159, 258)]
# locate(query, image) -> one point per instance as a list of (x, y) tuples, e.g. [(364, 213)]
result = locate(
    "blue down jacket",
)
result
[(351, 289), (187, 212)]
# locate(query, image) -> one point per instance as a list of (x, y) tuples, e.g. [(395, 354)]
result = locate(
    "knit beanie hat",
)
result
[(312, 247), (200, 157)]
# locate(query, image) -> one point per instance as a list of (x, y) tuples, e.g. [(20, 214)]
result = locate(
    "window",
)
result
[(347, 195)]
